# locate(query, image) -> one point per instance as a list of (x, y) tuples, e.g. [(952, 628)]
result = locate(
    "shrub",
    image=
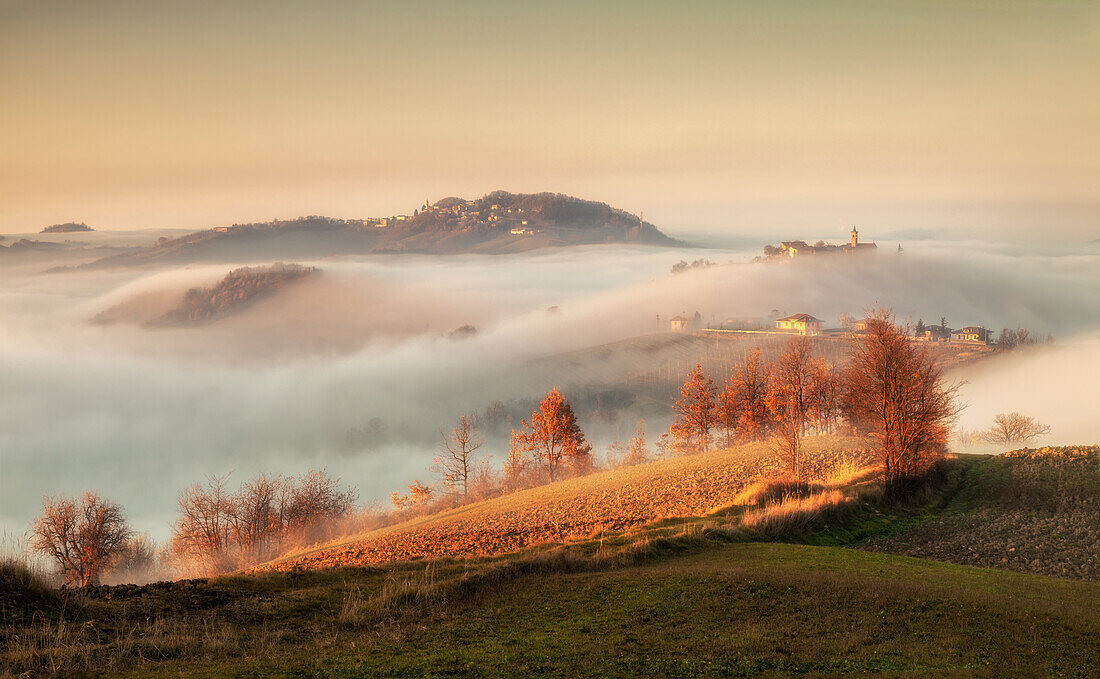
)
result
[(794, 516)]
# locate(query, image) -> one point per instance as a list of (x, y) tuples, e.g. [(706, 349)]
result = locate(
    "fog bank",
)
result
[(137, 413)]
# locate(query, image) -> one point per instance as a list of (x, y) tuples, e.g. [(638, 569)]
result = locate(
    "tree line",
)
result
[(218, 529), (890, 388)]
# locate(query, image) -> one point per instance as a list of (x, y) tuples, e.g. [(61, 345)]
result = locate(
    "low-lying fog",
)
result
[(139, 412)]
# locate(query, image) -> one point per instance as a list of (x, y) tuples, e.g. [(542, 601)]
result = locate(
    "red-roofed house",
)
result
[(803, 324)]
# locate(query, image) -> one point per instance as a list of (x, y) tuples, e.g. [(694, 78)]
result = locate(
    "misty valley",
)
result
[(494, 340), (293, 399)]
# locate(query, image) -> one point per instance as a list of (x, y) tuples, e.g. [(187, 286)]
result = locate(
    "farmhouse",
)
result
[(679, 323), (935, 333), (972, 334), (803, 324)]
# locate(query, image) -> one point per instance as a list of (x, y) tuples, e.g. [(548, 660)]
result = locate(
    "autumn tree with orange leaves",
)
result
[(696, 413), (728, 412), (553, 436), (750, 384), (895, 390)]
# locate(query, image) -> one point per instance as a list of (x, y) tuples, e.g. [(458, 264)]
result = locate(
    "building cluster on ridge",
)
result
[(809, 325), (799, 248)]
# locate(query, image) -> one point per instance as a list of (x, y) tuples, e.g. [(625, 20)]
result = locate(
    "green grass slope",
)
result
[(689, 607)]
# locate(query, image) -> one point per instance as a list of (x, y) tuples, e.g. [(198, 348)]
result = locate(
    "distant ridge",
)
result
[(497, 223), (67, 227)]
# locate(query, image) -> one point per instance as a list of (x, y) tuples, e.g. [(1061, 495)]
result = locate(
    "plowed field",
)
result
[(610, 500)]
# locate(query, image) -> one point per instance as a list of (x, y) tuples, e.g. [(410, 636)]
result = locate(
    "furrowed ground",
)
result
[(614, 500), (1035, 510)]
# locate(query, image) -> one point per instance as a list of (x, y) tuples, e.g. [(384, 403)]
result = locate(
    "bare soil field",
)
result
[(1033, 510), (606, 501)]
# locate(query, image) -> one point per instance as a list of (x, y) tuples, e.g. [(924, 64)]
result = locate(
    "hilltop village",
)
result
[(503, 214), (799, 248), (808, 325), (472, 213)]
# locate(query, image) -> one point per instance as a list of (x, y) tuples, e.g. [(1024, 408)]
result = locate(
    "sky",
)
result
[(917, 116)]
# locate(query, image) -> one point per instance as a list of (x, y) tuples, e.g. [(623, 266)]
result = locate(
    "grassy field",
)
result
[(703, 594), (696, 605)]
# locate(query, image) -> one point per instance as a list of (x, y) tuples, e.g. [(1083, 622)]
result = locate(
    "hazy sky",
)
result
[(895, 115)]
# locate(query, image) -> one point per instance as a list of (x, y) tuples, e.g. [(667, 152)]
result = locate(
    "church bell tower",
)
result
[(855, 237)]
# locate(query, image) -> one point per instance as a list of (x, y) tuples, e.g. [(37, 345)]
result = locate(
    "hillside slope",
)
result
[(612, 500)]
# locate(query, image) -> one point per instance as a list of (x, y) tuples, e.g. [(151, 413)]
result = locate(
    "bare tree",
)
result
[(257, 514), (81, 536), (554, 436), (218, 529), (846, 321), (1013, 428), (617, 452), (456, 459), (695, 412), (824, 397), (201, 533), (636, 452), (789, 399), (484, 480), (136, 562), (1011, 339), (896, 391), (317, 501)]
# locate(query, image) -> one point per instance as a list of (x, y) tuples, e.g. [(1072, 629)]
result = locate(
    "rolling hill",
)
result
[(497, 223)]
